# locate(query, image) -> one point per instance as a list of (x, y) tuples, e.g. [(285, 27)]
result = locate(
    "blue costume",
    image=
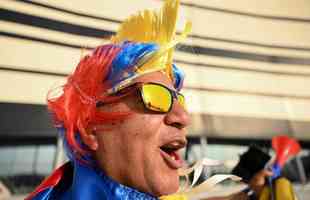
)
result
[(79, 182)]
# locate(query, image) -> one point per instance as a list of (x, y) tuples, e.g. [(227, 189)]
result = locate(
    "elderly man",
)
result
[(122, 116)]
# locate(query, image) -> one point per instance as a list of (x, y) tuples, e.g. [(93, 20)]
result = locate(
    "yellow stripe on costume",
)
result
[(265, 194), (283, 190), (174, 197)]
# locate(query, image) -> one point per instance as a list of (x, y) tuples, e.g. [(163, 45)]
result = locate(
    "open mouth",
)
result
[(171, 155)]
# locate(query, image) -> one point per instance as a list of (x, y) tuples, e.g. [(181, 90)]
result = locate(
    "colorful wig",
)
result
[(112, 67)]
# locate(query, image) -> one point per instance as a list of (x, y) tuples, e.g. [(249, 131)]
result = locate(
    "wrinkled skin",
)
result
[(128, 150)]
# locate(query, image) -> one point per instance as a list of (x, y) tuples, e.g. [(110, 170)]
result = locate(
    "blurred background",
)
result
[(247, 66)]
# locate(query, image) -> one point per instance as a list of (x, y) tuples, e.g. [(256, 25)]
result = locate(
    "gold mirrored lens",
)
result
[(156, 97), (181, 100)]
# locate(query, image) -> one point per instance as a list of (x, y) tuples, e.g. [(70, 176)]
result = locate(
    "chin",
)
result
[(167, 186)]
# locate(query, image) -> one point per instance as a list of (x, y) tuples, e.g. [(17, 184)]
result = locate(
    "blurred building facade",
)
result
[(247, 66)]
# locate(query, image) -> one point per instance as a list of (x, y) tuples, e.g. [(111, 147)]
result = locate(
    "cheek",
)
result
[(140, 137), (144, 126)]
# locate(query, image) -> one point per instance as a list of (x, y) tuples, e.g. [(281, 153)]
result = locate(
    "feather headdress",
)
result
[(158, 27)]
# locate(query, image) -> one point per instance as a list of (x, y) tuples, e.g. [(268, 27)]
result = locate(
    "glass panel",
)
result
[(22, 168)]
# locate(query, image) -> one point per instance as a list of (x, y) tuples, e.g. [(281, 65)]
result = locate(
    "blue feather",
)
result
[(178, 77), (123, 64)]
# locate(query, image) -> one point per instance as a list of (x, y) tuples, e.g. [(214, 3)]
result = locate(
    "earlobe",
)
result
[(90, 139)]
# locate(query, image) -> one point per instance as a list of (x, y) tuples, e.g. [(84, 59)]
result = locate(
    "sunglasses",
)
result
[(155, 97)]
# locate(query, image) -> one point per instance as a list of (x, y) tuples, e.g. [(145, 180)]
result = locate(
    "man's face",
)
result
[(141, 151)]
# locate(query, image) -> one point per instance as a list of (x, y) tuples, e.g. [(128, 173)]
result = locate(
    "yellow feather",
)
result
[(154, 27), (150, 26)]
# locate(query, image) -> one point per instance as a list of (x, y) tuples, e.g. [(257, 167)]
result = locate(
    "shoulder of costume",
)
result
[(46, 188)]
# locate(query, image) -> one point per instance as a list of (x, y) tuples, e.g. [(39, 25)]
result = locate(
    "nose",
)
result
[(178, 116)]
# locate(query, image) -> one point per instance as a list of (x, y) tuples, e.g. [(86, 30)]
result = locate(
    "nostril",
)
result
[(177, 125)]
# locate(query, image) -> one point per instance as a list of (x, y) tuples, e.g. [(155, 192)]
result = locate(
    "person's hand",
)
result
[(257, 182)]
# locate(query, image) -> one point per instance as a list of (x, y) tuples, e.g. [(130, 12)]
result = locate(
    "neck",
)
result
[(100, 185)]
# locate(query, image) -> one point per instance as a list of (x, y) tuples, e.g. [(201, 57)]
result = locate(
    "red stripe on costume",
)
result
[(50, 181)]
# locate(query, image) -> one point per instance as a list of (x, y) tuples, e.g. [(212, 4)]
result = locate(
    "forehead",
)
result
[(156, 77)]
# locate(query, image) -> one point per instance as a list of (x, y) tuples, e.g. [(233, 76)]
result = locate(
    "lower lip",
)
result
[(174, 163)]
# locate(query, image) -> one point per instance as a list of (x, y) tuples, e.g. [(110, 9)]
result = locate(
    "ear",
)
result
[(89, 138)]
